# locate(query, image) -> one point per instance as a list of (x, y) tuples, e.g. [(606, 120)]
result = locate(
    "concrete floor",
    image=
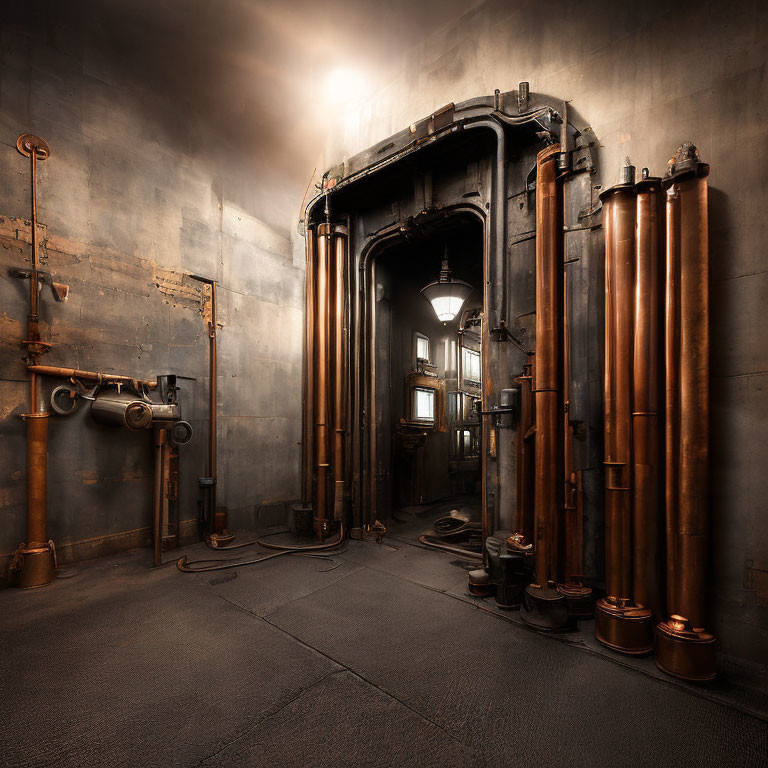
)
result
[(377, 657)]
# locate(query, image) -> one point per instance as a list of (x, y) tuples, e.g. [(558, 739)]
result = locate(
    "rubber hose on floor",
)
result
[(425, 539), (186, 567)]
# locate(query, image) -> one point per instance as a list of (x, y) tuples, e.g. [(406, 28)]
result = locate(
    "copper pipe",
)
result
[(37, 466), (671, 391), (646, 506), (619, 223), (684, 647), (213, 373), (548, 381), (694, 402), (160, 434), (74, 373), (321, 379), (34, 560), (339, 412), (309, 367)]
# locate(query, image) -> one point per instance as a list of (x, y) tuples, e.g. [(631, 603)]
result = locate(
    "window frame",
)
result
[(414, 400), (422, 337)]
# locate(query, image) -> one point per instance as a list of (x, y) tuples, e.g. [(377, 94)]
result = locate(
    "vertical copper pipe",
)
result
[(37, 469), (619, 223), (671, 393), (693, 528), (321, 380), (219, 522), (339, 411), (548, 379), (646, 506), (33, 561), (684, 647), (309, 367)]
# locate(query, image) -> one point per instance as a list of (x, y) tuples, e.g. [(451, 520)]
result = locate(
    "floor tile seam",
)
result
[(376, 687)]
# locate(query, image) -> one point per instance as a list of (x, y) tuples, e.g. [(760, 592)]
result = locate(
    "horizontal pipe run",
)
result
[(74, 373)]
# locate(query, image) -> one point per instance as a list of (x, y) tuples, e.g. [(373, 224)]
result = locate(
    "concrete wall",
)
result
[(646, 77), (141, 189)]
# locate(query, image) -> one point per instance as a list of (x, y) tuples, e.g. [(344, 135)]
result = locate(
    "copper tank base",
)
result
[(580, 600), (684, 651), (544, 608), (33, 567), (627, 629)]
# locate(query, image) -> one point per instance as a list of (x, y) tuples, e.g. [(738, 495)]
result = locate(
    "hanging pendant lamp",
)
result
[(446, 295)]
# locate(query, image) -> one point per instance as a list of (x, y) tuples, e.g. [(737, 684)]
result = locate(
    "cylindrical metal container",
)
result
[(339, 370), (121, 409), (619, 623), (543, 606), (646, 386), (505, 457), (684, 647), (320, 501)]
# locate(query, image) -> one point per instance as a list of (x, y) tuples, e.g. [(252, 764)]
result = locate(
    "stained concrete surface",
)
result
[(373, 657)]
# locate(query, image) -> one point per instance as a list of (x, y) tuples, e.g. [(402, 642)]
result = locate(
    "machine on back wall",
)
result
[(572, 328), (115, 399)]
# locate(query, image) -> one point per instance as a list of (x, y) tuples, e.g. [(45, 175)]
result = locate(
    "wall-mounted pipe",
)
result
[(33, 563), (103, 378), (544, 606), (320, 500), (339, 370), (684, 648), (309, 365)]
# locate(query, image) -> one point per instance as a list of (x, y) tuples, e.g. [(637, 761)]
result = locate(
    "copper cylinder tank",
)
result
[(543, 605), (320, 500), (646, 388), (619, 623), (339, 371), (309, 365), (683, 646)]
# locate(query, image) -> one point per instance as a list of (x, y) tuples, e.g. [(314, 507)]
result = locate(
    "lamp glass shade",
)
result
[(447, 297)]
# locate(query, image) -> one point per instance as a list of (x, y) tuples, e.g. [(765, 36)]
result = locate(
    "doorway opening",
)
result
[(427, 383)]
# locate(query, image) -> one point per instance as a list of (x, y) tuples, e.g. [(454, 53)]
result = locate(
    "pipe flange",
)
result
[(64, 400), (181, 433), (28, 143)]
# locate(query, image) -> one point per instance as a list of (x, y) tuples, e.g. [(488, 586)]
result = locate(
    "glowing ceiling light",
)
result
[(345, 85), (446, 294)]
